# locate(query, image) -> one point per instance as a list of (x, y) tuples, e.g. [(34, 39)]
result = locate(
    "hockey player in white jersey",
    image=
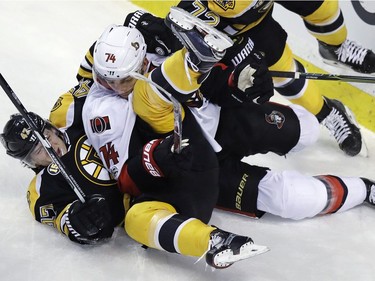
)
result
[(179, 191), (307, 196)]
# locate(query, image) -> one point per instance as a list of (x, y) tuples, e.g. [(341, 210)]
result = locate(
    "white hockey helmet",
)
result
[(119, 51)]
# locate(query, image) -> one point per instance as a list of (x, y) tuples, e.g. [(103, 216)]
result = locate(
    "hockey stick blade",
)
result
[(322, 76), (47, 146)]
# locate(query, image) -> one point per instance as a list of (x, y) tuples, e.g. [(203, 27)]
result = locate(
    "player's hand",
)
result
[(252, 81), (158, 37), (89, 222), (160, 160)]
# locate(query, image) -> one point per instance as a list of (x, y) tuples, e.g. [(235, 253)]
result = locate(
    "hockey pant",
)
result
[(250, 129), (253, 190)]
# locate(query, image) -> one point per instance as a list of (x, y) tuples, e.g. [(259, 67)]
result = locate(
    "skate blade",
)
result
[(214, 38), (248, 250)]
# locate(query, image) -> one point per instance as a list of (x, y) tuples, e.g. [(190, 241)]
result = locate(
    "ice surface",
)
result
[(42, 44)]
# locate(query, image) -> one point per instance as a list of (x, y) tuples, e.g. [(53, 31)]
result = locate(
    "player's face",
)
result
[(39, 155), (122, 87)]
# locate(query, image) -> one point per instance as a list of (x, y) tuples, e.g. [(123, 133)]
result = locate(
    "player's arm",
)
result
[(246, 81), (85, 68), (153, 105), (157, 162), (54, 205), (69, 104)]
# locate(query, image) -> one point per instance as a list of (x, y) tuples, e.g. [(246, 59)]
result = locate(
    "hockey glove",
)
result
[(89, 222), (159, 159), (251, 80), (158, 38)]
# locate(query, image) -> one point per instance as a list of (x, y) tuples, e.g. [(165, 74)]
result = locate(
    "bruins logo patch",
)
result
[(89, 164), (225, 4)]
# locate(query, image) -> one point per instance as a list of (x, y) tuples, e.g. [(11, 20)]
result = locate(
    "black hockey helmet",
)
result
[(17, 137)]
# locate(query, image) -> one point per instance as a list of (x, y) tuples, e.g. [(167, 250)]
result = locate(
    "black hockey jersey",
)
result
[(49, 195)]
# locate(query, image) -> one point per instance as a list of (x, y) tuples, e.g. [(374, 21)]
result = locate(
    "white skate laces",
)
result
[(337, 125), (351, 52)]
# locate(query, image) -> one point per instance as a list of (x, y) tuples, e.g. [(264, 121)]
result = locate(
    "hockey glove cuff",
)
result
[(159, 159)]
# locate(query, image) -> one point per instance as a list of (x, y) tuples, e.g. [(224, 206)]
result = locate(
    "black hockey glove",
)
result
[(251, 81), (159, 159), (158, 37), (89, 222)]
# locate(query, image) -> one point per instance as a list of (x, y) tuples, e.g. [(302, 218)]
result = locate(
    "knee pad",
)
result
[(290, 194)]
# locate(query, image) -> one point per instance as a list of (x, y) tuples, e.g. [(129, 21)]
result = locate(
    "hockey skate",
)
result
[(206, 45), (370, 187), (342, 125), (349, 54), (227, 248)]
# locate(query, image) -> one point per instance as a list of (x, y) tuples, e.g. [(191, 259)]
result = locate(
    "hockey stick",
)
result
[(322, 76), (177, 130), (47, 146)]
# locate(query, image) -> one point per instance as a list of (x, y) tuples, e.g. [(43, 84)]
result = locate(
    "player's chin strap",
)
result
[(47, 146), (177, 131)]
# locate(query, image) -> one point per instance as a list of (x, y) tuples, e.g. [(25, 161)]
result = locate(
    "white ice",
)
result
[(42, 44)]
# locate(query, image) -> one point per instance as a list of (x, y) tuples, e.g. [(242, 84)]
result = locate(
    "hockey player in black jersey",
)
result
[(51, 200), (253, 19), (245, 129)]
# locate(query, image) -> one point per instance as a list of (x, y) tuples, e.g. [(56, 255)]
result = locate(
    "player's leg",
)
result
[(159, 226), (253, 190), (302, 91), (206, 44), (271, 127), (325, 21), (290, 194)]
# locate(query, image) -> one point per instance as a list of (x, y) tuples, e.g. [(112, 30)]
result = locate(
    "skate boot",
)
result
[(206, 45), (342, 125), (348, 54), (370, 187), (227, 248)]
